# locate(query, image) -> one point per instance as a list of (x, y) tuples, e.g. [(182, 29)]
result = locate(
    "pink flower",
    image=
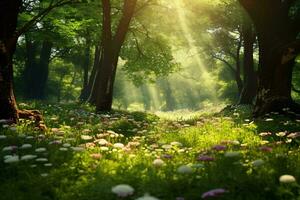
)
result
[(219, 147), (213, 193), (266, 149), (205, 158), (167, 156)]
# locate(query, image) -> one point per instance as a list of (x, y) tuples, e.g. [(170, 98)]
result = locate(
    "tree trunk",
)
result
[(105, 77), (250, 79), (9, 10), (238, 79), (277, 37)]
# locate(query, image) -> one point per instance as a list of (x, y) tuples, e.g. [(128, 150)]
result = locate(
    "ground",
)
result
[(83, 155)]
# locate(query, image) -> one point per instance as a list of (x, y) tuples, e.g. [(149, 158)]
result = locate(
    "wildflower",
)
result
[(294, 135), (3, 137), (48, 164), (44, 175), (281, 134), (78, 149), (147, 197), (119, 145), (158, 162), (185, 169), (86, 137), (264, 134), (13, 128), (40, 150), (28, 157), (104, 148), (10, 148), (63, 149), (178, 144), (102, 142), (66, 145), (167, 156), (287, 179), (266, 149), (166, 146), (219, 147), (41, 160), (231, 154), (12, 159), (258, 163), (26, 146), (213, 193), (205, 158), (123, 190), (96, 156)]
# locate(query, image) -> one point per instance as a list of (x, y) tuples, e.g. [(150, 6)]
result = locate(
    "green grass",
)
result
[(90, 174)]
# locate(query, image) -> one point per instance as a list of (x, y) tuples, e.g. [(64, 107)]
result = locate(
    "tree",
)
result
[(277, 30), (9, 11)]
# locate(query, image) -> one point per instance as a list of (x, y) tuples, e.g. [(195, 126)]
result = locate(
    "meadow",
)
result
[(136, 155)]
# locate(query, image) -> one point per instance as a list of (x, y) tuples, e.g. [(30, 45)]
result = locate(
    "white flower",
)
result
[(9, 148), (41, 160), (176, 144), (28, 157), (12, 159), (13, 128), (78, 149), (104, 148), (158, 162), (66, 145), (123, 190), (48, 164), (3, 137), (231, 154), (102, 142), (86, 137), (258, 163), (185, 169), (40, 150), (29, 137), (26, 146), (63, 149), (119, 145), (5, 126), (287, 179), (147, 197), (44, 175)]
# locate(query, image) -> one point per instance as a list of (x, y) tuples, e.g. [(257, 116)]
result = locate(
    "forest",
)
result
[(149, 99)]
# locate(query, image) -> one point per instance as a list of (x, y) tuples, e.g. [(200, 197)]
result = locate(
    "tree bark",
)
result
[(105, 77), (278, 44), (9, 10), (250, 78)]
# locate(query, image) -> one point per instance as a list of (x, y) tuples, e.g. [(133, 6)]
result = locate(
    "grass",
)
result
[(86, 154)]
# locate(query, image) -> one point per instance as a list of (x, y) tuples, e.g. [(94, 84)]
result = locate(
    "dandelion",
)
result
[(12, 159), (123, 190), (214, 193), (287, 179), (158, 162), (185, 169), (147, 197)]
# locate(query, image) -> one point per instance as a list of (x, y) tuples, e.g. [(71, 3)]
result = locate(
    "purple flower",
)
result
[(219, 147), (167, 156), (205, 158), (213, 193)]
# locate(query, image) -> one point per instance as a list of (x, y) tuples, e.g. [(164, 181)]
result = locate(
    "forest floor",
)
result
[(86, 156)]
